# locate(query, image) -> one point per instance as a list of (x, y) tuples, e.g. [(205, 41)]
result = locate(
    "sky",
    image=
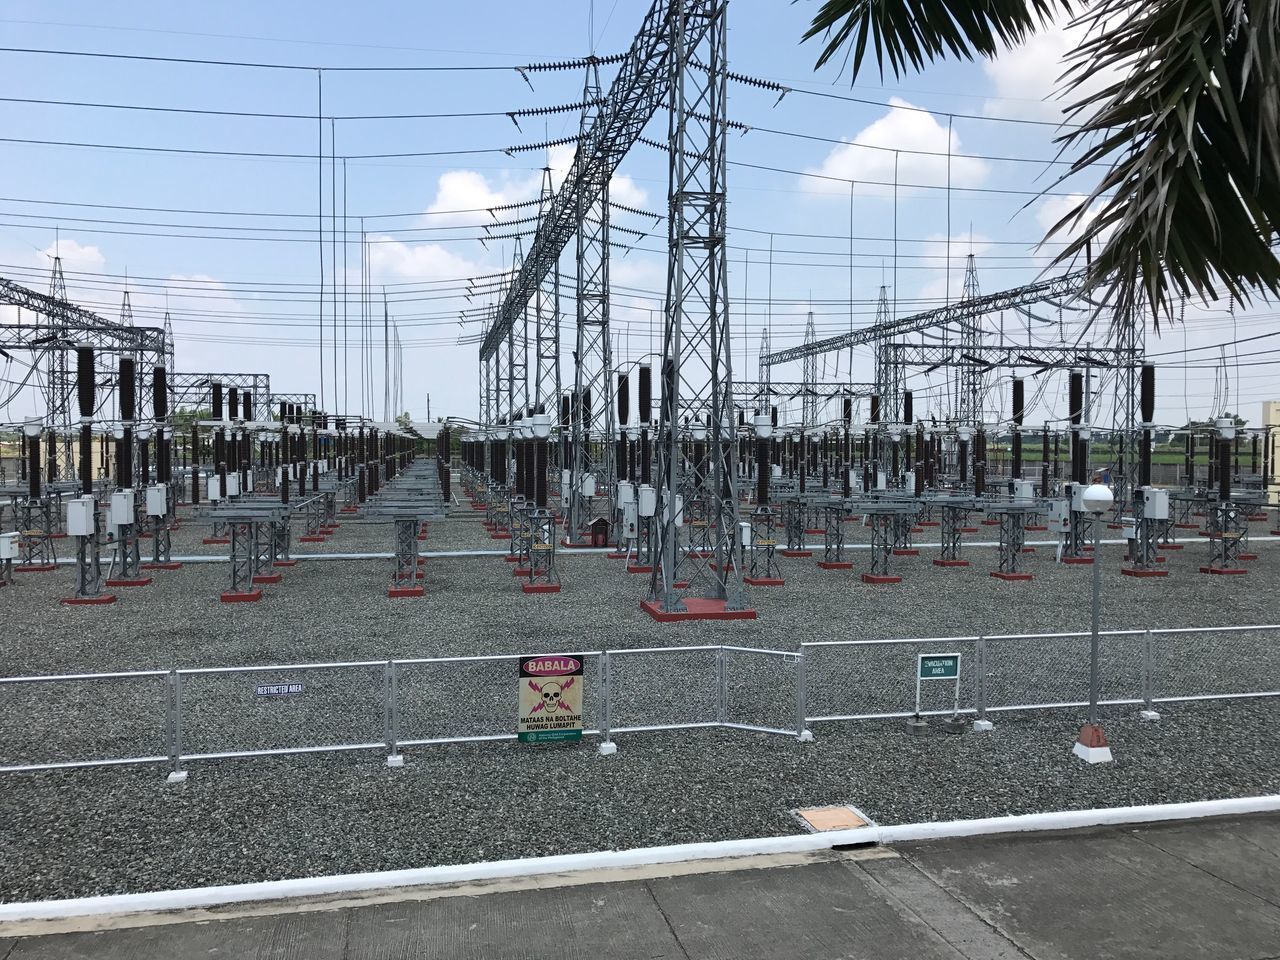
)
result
[(235, 247)]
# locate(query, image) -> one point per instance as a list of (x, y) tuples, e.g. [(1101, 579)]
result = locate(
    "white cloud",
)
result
[(392, 259), (471, 190), (1028, 78), (870, 155), (1053, 209), (75, 256)]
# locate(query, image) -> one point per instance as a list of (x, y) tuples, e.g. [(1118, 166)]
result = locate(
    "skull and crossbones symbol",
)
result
[(552, 695)]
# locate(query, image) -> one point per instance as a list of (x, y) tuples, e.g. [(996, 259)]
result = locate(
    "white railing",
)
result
[(176, 717)]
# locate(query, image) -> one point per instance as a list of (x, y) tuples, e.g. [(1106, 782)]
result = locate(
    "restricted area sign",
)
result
[(937, 666), (550, 699)]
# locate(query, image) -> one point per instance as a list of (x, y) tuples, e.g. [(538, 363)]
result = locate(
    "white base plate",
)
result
[(1092, 754), (1148, 715), (983, 726), (395, 760), (176, 776), (607, 749)]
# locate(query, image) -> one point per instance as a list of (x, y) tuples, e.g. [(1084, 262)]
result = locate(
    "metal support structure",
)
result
[(962, 311), (697, 379), (591, 409)]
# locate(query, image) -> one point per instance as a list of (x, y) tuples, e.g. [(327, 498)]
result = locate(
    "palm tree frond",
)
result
[(909, 34), (1191, 200)]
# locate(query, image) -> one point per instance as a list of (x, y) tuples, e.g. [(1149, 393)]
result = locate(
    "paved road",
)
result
[(1208, 889)]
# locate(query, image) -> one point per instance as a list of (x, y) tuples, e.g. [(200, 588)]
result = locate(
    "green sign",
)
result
[(941, 667)]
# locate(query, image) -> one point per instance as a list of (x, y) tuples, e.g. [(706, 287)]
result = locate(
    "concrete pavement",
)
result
[(1198, 889)]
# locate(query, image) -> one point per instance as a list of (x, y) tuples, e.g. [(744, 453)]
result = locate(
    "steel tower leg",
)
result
[(696, 367)]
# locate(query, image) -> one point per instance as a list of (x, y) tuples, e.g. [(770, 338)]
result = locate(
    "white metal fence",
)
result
[(175, 717)]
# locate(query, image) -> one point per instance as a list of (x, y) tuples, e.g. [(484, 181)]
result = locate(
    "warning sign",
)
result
[(550, 699)]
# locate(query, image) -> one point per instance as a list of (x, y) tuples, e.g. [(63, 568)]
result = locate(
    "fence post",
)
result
[(1148, 711), (391, 712), (173, 717), (722, 687), (981, 724), (802, 700), (607, 746)]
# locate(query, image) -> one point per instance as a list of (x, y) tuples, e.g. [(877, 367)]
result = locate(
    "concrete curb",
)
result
[(616, 859)]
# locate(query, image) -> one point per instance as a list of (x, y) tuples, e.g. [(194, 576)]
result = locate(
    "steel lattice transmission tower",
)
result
[(546, 378), (57, 387), (516, 368), (764, 374), (592, 408), (809, 401), (889, 375), (697, 380), (973, 378)]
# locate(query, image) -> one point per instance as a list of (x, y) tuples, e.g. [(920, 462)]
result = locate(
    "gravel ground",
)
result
[(466, 802), (236, 821)]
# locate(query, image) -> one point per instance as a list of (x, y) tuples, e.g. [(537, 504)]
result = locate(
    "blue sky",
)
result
[(250, 303)]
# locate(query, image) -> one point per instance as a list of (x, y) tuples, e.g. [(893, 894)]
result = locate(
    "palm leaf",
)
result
[(1189, 137), (912, 33), (1191, 199)]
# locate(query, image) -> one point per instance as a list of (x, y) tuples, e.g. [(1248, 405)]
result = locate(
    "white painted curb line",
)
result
[(612, 859)]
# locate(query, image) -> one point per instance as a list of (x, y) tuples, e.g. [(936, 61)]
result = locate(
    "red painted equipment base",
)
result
[(795, 553), (1077, 560), (696, 608), (1257, 516), (540, 587), (268, 577), (917, 529), (1035, 528), (930, 523), (519, 571), (878, 579), (1028, 549), (1115, 526), (1224, 571), (632, 568), (349, 510), (1012, 577), (1187, 526), (1248, 556), (906, 552), (967, 529), (122, 582), (764, 581), (815, 531), (951, 563), (1170, 546), (991, 523), (215, 541), (576, 544), (1204, 533), (35, 568), (1131, 572), (835, 565), (616, 556), (511, 558), (97, 601), (311, 539), (249, 596), (284, 563), (406, 591), (499, 536), (174, 565)]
